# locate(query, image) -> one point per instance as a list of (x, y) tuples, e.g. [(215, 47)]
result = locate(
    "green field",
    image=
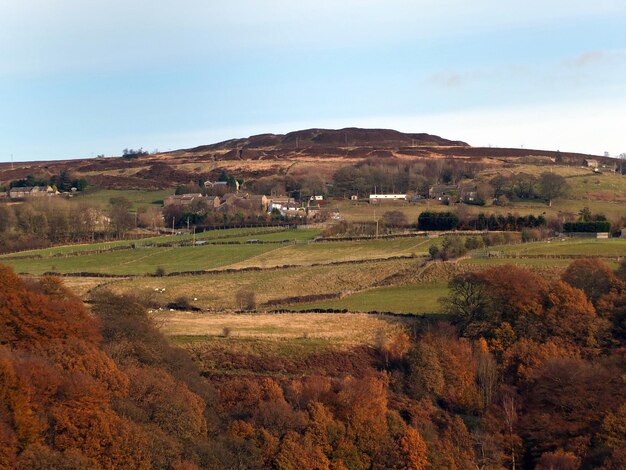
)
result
[(340, 251), (567, 246), (144, 260), (187, 258), (137, 197), (240, 235), (416, 298)]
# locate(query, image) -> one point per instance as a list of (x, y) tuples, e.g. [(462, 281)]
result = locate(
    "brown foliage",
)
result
[(565, 404), (592, 276)]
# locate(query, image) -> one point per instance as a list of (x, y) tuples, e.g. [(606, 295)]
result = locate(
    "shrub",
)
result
[(473, 243)]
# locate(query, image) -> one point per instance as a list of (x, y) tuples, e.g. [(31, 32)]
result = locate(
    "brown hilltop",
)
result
[(321, 151), (348, 137)]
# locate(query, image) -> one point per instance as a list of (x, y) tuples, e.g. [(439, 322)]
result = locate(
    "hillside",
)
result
[(320, 150)]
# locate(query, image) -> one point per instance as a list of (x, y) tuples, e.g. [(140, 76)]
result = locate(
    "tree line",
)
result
[(63, 182)]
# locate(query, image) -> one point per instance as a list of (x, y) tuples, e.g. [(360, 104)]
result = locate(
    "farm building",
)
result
[(182, 199), (590, 163), (281, 200), (443, 192), (387, 197), (244, 201), (31, 191)]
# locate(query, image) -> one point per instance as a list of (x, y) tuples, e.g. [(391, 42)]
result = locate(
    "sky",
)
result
[(81, 78)]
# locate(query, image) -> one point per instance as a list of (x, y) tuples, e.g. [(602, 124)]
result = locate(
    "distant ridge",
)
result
[(347, 137)]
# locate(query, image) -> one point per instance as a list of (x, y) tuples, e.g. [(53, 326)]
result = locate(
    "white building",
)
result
[(387, 197)]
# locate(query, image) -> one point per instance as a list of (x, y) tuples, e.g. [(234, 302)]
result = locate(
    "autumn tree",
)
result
[(592, 276)]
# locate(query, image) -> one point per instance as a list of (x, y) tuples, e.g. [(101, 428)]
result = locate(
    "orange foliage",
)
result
[(570, 315), (414, 450), (56, 384), (558, 460), (458, 368)]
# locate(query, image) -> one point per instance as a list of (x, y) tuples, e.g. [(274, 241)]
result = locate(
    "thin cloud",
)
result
[(586, 59), (447, 80)]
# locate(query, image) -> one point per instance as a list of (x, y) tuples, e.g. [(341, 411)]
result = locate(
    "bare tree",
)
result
[(245, 299)]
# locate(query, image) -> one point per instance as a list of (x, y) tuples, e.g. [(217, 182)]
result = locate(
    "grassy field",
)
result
[(415, 298), (522, 262), (138, 198), (279, 345), (340, 329), (217, 291), (567, 246), (339, 251), (188, 258), (144, 260), (228, 235)]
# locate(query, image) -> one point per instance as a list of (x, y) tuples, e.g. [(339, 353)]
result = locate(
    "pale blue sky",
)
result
[(79, 78)]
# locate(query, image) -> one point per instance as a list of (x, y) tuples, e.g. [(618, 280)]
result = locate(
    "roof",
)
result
[(185, 196), (27, 189), (182, 198), (443, 187)]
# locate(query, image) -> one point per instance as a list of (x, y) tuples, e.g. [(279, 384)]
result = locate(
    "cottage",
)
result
[(469, 194), (443, 192), (182, 200), (590, 163), (260, 201)]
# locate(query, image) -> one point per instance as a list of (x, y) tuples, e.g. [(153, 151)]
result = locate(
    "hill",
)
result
[(322, 151), (350, 136)]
